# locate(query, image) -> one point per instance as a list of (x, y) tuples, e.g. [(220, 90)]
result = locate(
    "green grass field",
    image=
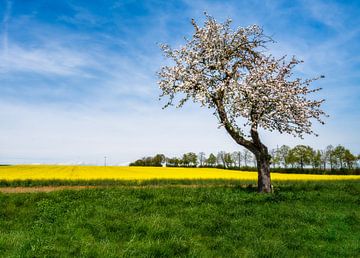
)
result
[(205, 219)]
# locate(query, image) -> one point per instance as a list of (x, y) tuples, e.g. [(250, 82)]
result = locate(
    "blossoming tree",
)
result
[(230, 72)]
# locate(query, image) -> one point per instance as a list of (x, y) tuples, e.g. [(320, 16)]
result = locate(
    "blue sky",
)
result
[(77, 78)]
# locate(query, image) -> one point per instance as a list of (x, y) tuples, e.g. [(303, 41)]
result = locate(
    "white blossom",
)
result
[(230, 71)]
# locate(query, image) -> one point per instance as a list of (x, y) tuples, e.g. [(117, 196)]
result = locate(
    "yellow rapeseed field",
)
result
[(57, 172)]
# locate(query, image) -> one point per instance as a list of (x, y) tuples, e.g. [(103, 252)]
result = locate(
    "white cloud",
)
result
[(50, 61)]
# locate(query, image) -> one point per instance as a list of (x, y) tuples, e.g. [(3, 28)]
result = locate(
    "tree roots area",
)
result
[(226, 220)]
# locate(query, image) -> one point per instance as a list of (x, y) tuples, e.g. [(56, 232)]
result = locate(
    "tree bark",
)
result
[(263, 162), (263, 166)]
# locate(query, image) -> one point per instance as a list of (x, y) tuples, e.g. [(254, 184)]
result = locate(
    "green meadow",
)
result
[(320, 219)]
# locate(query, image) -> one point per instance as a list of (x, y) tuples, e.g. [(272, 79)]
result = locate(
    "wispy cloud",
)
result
[(57, 61)]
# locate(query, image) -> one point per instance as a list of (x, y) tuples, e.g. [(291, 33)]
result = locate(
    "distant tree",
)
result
[(291, 159), (158, 160), (173, 161), (185, 161), (329, 156), (211, 160), (275, 157), (189, 159), (301, 155), (350, 159), (139, 162), (228, 71), (228, 160), (339, 156), (283, 153), (237, 157), (221, 158), (201, 158), (324, 158), (193, 159), (247, 157), (316, 159)]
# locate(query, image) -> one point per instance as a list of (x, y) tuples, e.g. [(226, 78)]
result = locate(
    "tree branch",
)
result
[(228, 126)]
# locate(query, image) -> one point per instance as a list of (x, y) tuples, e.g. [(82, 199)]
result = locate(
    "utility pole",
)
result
[(105, 161)]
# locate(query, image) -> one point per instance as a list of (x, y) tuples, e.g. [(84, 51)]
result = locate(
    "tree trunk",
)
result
[(255, 146), (264, 180)]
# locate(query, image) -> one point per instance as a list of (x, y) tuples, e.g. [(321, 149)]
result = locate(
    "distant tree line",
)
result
[(300, 159), (156, 161)]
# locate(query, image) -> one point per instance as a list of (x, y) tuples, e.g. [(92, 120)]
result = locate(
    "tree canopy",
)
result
[(229, 71)]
